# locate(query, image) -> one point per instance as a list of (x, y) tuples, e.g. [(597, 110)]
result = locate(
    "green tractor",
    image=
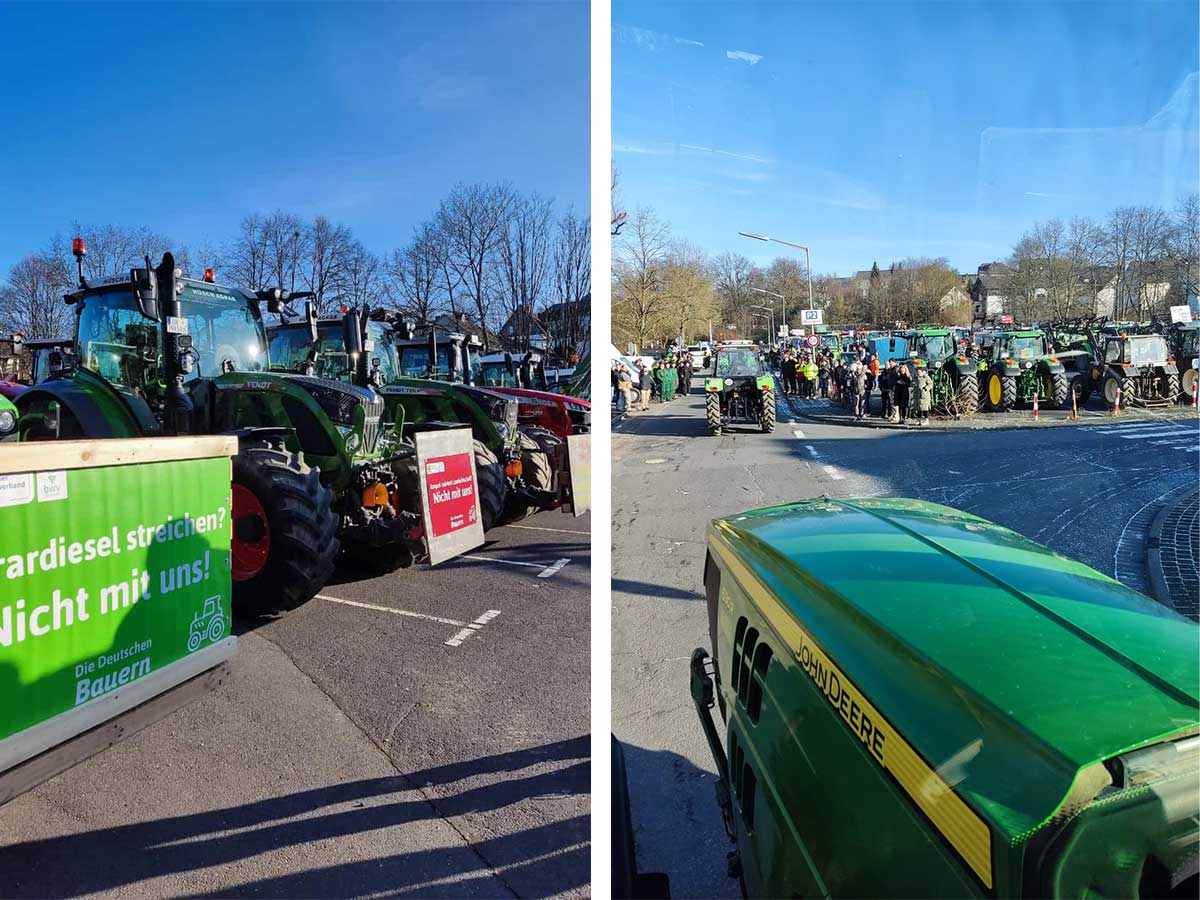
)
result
[(1184, 341), (953, 376), (427, 384), (967, 715), (159, 354), (1021, 368), (8, 419), (739, 390)]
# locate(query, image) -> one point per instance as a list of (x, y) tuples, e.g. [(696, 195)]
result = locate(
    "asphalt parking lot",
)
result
[(422, 733)]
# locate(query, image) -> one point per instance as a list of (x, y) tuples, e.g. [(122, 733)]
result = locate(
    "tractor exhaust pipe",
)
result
[(177, 345)]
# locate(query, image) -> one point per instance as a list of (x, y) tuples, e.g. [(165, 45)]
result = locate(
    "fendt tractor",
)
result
[(740, 390), (155, 353), (1022, 367), (968, 715), (427, 384), (954, 378)]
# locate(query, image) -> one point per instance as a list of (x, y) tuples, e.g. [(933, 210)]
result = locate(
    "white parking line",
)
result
[(1116, 429), (554, 567), (547, 570), (833, 473), (473, 627), (389, 609), (812, 451), (557, 530)]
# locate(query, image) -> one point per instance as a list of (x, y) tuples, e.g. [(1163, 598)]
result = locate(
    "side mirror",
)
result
[(144, 283), (273, 297), (60, 362), (508, 363), (310, 318), (352, 333)]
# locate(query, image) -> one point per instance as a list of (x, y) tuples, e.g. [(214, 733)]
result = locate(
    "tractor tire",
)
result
[(767, 419), (712, 410), (1082, 386), (1059, 394), (1001, 392), (1187, 384), (1173, 389), (284, 530), (489, 474), (536, 471), (968, 394)]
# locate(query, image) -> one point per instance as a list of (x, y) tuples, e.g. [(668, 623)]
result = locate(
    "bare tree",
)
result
[(31, 299), (525, 265), (327, 246), (361, 281), (687, 293), (473, 220), (284, 242), (1185, 246), (735, 275), (619, 215), (637, 277), (415, 271), (572, 281), (246, 255), (113, 250)]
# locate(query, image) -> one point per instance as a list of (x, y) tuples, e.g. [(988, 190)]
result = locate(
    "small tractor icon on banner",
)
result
[(208, 624)]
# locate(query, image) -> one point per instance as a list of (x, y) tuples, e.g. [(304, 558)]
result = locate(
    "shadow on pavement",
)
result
[(124, 855), (676, 821), (649, 424), (646, 589)]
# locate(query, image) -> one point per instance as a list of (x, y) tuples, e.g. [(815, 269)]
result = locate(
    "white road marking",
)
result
[(473, 627), (798, 433), (389, 609), (812, 451), (546, 570), (1116, 429), (551, 569), (658, 460), (1142, 435), (833, 473), (540, 528)]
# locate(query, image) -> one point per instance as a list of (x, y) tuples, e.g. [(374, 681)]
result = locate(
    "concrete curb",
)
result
[(1159, 588)]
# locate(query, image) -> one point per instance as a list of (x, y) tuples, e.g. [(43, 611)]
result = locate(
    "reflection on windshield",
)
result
[(1146, 350), (1024, 348), (123, 346), (935, 346), (737, 362), (292, 347)]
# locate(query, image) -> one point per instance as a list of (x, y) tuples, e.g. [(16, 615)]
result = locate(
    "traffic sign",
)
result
[(812, 340), (812, 317), (797, 332)]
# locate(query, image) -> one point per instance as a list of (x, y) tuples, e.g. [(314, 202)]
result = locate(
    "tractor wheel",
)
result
[(284, 531), (767, 419), (1172, 392), (1057, 390), (1082, 386), (1001, 392), (712, 410), (489, 473), (968, 394), (1187, 383), (536, 471)]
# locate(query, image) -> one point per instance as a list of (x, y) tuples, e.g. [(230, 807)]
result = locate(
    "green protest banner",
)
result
[(114, 583)]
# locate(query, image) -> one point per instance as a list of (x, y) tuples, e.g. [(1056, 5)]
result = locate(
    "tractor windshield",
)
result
[(1023, 347), (1191, 342), (934, 346), (123, 346), (384, 350), (414, 361), (738, 362), (1147, 349), (291, 347), (496, 374)]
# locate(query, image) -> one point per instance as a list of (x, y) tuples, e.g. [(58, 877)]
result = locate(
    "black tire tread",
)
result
[(712, 412), (492, 486)]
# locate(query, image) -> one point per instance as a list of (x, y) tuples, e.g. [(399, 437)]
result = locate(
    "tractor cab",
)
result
[(440, 356), (1020, 345), (1137, 350), (510, 370)]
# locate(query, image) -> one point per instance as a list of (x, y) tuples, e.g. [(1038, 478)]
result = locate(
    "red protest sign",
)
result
[(450, 493)]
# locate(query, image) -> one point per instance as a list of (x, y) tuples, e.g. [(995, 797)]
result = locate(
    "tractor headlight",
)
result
[(1027, 365), (502, 427), (729, 381), (938, 364), (7, 421)]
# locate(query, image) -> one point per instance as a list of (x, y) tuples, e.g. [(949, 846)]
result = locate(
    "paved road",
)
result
[(1089, 491), (365, 745)]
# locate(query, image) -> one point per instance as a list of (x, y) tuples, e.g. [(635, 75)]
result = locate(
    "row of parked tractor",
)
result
[(1060, 364), (326, 412)]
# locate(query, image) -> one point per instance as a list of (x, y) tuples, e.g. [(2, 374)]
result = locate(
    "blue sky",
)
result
[(183, 118), (878, 131)]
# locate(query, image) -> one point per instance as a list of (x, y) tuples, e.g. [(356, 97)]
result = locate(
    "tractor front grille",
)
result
[(339, 399)]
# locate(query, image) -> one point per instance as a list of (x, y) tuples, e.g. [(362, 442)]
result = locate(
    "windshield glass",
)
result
[(1023, 347), (738, 362), (1150, 348), (119, 343), (384, 350), (934, 346), (496, 374), (291, 346)]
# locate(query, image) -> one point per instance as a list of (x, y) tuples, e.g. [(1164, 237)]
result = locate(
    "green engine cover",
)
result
[(919, 702)]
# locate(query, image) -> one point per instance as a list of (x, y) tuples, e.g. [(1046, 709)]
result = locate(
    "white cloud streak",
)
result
[(743, 56)]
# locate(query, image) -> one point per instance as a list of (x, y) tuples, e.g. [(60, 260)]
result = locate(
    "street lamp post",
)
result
[(771, 311), (782, 299), (762, 316), (807, 258)]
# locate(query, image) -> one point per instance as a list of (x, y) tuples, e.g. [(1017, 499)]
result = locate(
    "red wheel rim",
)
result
[(248, 556)]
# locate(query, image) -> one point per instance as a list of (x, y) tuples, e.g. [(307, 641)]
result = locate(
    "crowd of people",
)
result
[(851, 377), (664, 380)]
